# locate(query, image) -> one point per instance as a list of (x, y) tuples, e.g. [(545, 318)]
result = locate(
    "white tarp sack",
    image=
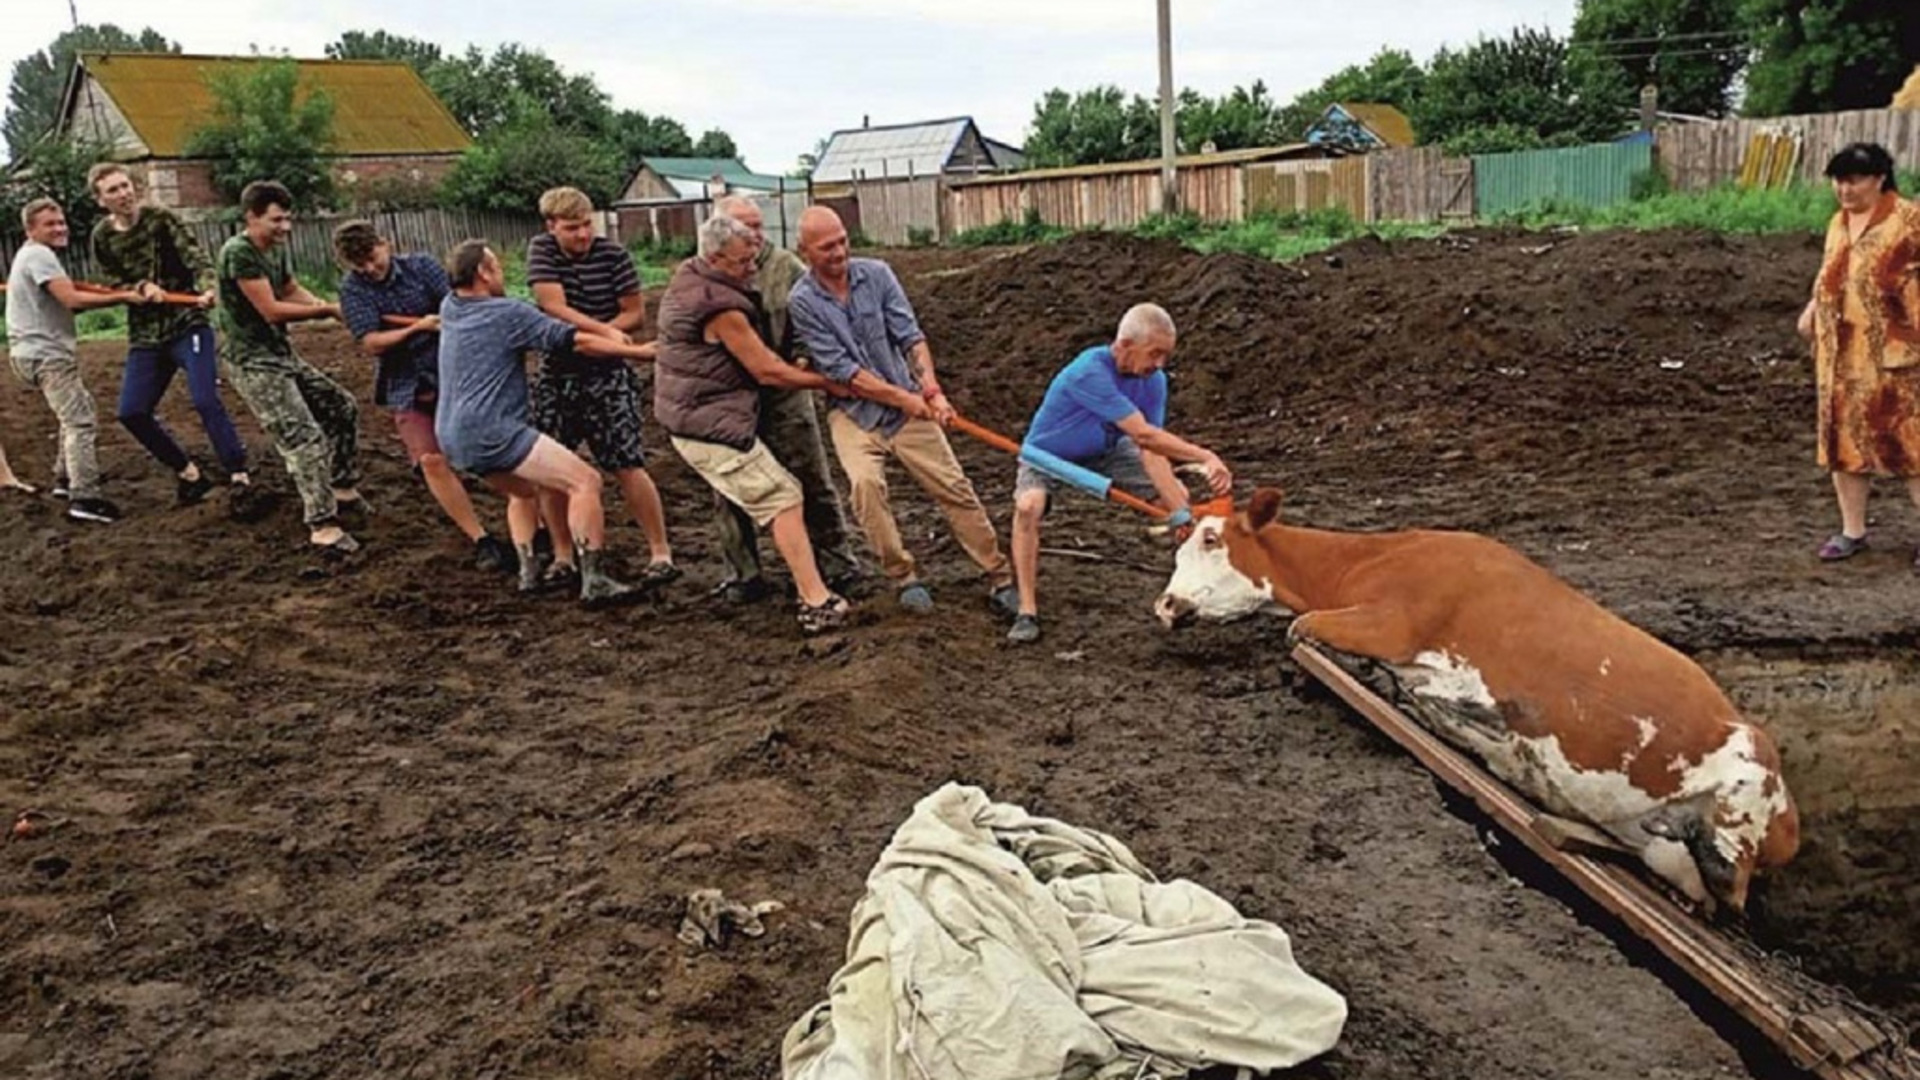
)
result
[(994, 945)]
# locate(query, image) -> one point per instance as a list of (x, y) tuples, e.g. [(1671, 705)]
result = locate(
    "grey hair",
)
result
[(725, 205), (719, 231), (1143, 321)]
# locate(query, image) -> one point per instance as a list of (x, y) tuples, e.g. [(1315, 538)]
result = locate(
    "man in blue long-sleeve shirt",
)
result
[(853, 317)]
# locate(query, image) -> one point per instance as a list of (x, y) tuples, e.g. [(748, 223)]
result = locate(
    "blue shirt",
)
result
[(1078, 419), (482, 420), (415, 286), (871, 332)]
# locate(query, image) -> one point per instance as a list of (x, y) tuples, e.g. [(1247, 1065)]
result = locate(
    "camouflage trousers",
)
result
[(312, 420), (790, 428), (75, 466)]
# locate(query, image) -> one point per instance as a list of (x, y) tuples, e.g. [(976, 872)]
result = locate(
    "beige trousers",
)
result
[(922, 449)]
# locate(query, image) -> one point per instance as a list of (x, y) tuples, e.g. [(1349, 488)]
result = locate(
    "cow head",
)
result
[(1222, 571), (1743, 825)]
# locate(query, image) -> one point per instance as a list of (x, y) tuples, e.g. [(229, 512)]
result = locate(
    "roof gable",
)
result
[(379, 106), (702, 169), (1385, 122), (921, 149), (1909, 95)]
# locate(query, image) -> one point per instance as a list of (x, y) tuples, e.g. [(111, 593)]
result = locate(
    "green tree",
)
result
[(810, 160), (1393, 77), (632, 135), (516, 161), (716, 144), (1691, 49), (57, 169), (380, 45), (265, 127), (1825, 55), (486, 92), (1244, 117), (39, 80), (1091, 127), (1527, 89)]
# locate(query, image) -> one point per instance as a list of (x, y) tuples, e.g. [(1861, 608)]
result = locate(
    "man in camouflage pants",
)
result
[(790, 428), (312, 420)]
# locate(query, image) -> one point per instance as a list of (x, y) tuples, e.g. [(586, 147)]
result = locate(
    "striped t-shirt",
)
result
[(593, 283)]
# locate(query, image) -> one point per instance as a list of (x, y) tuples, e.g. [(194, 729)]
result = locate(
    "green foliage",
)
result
[(1092, 127), (380, 45), (1007, 233), (1825, 55), (921, 238), (1502, 138), (1527, 82), (1693, 49), (39, 80), (1392, 77), (715, 143), (486, 93), (634, 135), (662, 250), (55, 169), (1728, 209), (1241, 119), (264, 127), (514, 163)]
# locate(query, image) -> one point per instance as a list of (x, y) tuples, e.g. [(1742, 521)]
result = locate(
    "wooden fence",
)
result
[(900, 211), (431, 231), (1696, 156)]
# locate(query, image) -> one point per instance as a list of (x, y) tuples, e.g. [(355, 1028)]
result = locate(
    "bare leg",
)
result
[(1852, 491), (1027, 510), (555, 468), (796, 550), (9, 480), (554, 511), (643, 498), (451, 494)]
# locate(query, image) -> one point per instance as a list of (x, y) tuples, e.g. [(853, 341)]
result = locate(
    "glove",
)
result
[(1180, 518)]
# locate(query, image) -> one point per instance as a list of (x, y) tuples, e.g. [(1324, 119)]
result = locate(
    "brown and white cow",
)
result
[(1586, 714)]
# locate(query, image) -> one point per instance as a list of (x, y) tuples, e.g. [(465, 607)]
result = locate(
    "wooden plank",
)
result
[(1832, 1049)]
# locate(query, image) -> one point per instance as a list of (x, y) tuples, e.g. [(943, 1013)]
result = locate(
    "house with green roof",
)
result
[(669, 179)]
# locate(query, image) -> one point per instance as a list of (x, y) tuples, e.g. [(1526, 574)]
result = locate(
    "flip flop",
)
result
[(1841, 546)]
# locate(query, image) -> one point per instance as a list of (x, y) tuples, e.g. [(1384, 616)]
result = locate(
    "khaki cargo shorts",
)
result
[(750, 479)]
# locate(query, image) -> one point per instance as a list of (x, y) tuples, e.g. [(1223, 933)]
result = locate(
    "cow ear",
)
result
[(1264, 508)]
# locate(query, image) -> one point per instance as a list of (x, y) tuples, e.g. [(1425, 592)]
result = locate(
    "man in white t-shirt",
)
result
[(42, 343)]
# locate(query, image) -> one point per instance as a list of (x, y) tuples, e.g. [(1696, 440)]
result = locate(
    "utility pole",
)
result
[(1169, 194)]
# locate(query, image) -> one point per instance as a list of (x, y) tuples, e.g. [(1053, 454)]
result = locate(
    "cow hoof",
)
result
[(1298, 633)]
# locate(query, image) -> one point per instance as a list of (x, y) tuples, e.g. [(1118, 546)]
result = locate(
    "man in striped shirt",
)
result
[(590, 283)]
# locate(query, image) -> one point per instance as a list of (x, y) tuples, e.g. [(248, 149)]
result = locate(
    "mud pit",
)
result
[(389, 820)]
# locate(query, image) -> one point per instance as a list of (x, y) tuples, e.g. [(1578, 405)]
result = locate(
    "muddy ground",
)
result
[(390, 820)]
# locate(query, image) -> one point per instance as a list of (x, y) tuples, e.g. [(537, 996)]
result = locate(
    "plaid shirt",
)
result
[(414, 287), (873, 331)]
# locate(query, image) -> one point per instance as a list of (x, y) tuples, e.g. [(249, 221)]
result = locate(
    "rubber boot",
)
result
[(532, 567), (596, 588)]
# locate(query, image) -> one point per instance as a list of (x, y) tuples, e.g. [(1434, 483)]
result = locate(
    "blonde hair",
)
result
[(35, 208), (102, 170), (564, 204)]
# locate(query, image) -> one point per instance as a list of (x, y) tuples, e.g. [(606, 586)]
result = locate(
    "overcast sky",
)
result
[(780, 74)]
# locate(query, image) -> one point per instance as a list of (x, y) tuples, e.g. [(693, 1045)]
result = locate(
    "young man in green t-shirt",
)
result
[(312, 420), (147, 249)]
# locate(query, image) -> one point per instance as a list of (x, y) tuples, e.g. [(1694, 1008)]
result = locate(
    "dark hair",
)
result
[(263, 195), (1864, 159), (464, 262), (355, 240)]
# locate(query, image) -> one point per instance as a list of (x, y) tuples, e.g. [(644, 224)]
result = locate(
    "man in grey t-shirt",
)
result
[(41, 345)]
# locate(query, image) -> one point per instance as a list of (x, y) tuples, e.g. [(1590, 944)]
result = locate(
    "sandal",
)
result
[(658, 574), (1841, 546), (829, 614)]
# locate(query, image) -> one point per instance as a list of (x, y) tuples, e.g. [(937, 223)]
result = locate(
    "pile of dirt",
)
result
[(388, 818)]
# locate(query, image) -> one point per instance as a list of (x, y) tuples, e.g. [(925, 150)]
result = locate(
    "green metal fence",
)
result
[(1600, 175)]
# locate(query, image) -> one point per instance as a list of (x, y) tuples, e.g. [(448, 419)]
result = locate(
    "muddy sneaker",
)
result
[(189, 492), (560, 577), (60, 490), (494, 556), (829, 614), (99, 511), (1841, 546), (1026, 630), (1005, 601), (916, 598)]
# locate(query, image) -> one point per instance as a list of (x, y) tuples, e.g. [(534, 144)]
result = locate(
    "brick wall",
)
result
[(187, 186)]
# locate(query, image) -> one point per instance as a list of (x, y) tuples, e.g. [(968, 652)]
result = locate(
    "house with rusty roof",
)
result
[(1359, 128), (388, 127), (1909, 95)]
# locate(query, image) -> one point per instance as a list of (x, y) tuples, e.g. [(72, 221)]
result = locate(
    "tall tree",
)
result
[(266, 127), (1242, 118), (516, 161), (485, 91), (57, 169), (715, 143), (39, 80), (632, 135), (1527, 89), (1691, 49), (1392, 77), (1091, 127), (380, 45), (1825, 55)]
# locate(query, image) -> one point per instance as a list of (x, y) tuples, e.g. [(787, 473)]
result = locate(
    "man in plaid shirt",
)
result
[(379, 283)]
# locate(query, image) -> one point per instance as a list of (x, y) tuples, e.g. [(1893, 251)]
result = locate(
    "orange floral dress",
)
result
[(1867, 343)]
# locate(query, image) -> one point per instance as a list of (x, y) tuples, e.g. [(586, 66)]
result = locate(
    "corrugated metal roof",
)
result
[(1385, 121), (1189, 161), (732, 170), (379, 106), (904, 149)]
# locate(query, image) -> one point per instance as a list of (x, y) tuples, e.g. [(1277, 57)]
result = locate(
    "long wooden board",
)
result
[(1828, 1038)]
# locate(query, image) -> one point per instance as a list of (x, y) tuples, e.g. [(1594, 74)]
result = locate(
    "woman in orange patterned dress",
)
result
[(1864, 321)]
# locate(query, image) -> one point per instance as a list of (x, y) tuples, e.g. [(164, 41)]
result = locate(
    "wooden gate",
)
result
[(1456, 176)]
